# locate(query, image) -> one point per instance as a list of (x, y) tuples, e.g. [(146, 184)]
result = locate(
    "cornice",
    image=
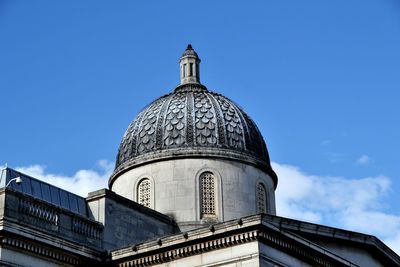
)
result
[(184, 153), (224, 235), (326, 232), (41, 250)]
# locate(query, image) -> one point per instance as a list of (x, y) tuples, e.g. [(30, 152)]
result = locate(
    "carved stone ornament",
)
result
[(191, 121)]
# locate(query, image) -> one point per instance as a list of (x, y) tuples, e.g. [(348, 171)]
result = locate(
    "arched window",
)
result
[(207, 195), (144, 192), (261, 199)]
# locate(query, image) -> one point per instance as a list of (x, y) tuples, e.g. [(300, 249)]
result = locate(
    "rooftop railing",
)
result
[(40, 215)]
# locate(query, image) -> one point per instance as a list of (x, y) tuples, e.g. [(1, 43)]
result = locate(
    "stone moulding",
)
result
[(190, 250), (225, 235), (305, 228), (185, 152), (40, 250)]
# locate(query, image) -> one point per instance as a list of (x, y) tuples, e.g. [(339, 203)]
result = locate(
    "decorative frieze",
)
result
[(41, 250), (191, 250), (271, 236)]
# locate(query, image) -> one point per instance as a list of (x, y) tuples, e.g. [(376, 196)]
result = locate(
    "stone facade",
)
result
[(258, 240), (126, 222)]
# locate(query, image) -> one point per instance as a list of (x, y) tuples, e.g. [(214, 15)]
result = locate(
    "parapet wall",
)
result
[(36, 226)]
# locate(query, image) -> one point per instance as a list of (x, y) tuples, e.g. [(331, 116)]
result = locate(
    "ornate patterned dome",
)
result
[(192, 122)]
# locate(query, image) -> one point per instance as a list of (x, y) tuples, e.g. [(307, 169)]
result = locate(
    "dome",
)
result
[(190, 51), (195, 155), (191, 122)]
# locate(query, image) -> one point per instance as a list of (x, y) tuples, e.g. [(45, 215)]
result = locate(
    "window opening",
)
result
[(207, 193), (144, 193), (261, 199)]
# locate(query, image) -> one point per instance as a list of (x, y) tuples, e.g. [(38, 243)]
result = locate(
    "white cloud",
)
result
[(363, 160), (81, 183), (353, 204)]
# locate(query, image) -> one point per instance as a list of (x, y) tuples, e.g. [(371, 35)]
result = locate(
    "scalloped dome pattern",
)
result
[(191, 121)]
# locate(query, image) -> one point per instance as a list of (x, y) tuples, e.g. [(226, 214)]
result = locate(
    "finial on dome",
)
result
[(190, 66)]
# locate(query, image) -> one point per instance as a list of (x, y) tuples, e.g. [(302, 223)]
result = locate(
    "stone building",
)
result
[(192, 186)]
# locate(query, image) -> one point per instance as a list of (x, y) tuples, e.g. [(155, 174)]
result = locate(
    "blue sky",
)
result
[(320, 78)]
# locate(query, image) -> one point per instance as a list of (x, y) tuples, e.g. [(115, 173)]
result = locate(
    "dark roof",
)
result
[(44, 191), (189, 51)]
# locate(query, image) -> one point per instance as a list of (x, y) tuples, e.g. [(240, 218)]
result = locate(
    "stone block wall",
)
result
[(126, 222)]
